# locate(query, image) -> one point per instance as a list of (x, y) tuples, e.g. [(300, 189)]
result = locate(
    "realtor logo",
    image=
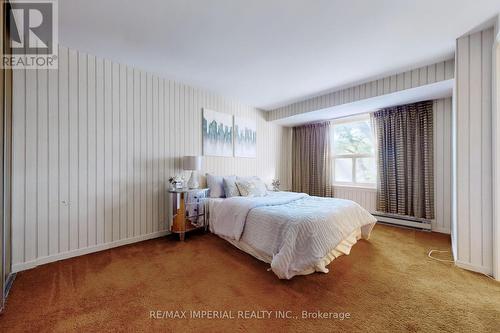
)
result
[(32, 30)]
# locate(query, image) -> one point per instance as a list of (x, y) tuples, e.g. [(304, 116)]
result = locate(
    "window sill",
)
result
[(356, 187)]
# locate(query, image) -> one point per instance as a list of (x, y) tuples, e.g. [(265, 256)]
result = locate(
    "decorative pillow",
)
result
[(230, 187), (215, 185), (258, 182), (250, 178), (251, 187), (261, 186)]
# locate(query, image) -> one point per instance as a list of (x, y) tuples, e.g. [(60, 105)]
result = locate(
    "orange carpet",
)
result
[(386, 284)]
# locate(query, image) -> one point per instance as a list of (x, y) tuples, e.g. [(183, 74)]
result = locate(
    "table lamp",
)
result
[(192, 163)]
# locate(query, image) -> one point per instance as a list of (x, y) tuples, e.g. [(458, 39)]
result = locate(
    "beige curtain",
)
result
[(311, 160), (405, 160)]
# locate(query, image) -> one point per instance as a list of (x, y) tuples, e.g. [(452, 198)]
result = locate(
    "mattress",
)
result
[(296, 233)]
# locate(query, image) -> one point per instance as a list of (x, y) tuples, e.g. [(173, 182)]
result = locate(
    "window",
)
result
[(353, 152)]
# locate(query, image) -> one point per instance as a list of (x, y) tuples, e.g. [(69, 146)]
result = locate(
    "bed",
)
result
[(296, 233)]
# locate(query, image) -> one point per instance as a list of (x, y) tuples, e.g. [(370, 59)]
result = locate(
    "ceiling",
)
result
[(269, 53)]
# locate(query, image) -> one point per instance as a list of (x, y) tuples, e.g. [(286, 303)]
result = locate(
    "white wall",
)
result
[(367, 198), (442, 165), (417, 77), (94, 144), (496, 153), (473, 148)]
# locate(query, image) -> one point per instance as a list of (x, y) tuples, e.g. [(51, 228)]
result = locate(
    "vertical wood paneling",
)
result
[(439, 120), (82, 173), (447, 165), (442, 165), (366, 198), (431, 73), (73, 150), (107, 157), (147, 152), (154, 155), (487, 147), (100, 151), (91, 152), (136, 156), (463, 119), (30, 197), (473, 151), (115, 152), (19, 164), (53, 162), (63, 133), (130, 135), (142, 160), (410, 79), (123, 179), (94, 144), (42, 164), (162, 198)]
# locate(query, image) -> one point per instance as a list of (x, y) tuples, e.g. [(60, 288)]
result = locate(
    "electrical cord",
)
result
[(451, 261), (434, 258)]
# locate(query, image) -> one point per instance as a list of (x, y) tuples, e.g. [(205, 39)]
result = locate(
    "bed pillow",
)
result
[(260, 185), (230, 188), (215, 185), (249, 178), (253, 187)]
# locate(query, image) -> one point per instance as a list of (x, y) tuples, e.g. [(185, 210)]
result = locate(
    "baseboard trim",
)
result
[(441, 230), (474, 268), (79, 252), (401, 221), (8, 284)]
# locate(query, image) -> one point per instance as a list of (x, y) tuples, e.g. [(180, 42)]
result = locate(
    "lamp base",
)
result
[(193, 181)]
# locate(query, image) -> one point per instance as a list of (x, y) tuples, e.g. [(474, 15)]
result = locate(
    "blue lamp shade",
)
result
[(192, 162)]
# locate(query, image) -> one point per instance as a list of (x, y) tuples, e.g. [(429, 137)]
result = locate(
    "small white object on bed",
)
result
[(296, 233)]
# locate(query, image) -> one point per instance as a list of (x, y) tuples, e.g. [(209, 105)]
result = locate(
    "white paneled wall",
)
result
[(367, 198), (442, 165), (418, 77), (473, 148), (496, 154), (94, 144)]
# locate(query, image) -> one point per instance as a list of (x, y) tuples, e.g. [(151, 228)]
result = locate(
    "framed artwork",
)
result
[(217, 133), (245, 137)]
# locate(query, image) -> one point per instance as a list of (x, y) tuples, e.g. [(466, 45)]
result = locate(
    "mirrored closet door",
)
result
[(5, 163)]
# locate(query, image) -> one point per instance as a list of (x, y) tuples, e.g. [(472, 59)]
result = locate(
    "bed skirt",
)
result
[(343, 248)]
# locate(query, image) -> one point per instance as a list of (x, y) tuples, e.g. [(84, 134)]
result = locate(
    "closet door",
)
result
[(2, 160), (5, 183), (5, 167)]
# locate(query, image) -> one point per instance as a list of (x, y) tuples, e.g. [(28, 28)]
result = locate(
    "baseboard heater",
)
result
[(403, 220)]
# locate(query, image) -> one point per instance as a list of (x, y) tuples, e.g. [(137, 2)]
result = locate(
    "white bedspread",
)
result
[(231, 216), (297, 230)]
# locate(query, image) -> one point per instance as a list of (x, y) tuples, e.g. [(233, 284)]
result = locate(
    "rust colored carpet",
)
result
[(386, 284)]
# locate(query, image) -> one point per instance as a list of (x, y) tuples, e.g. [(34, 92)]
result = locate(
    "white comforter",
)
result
[(297, 230)]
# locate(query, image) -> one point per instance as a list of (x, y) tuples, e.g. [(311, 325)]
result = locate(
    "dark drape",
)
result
[(405, 160), (311, 172)]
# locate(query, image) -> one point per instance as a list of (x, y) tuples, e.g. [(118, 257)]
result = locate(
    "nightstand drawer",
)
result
[(188, 210), (194, 203)]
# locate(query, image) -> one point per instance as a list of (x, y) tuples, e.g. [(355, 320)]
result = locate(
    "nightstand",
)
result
[(188, 210)]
